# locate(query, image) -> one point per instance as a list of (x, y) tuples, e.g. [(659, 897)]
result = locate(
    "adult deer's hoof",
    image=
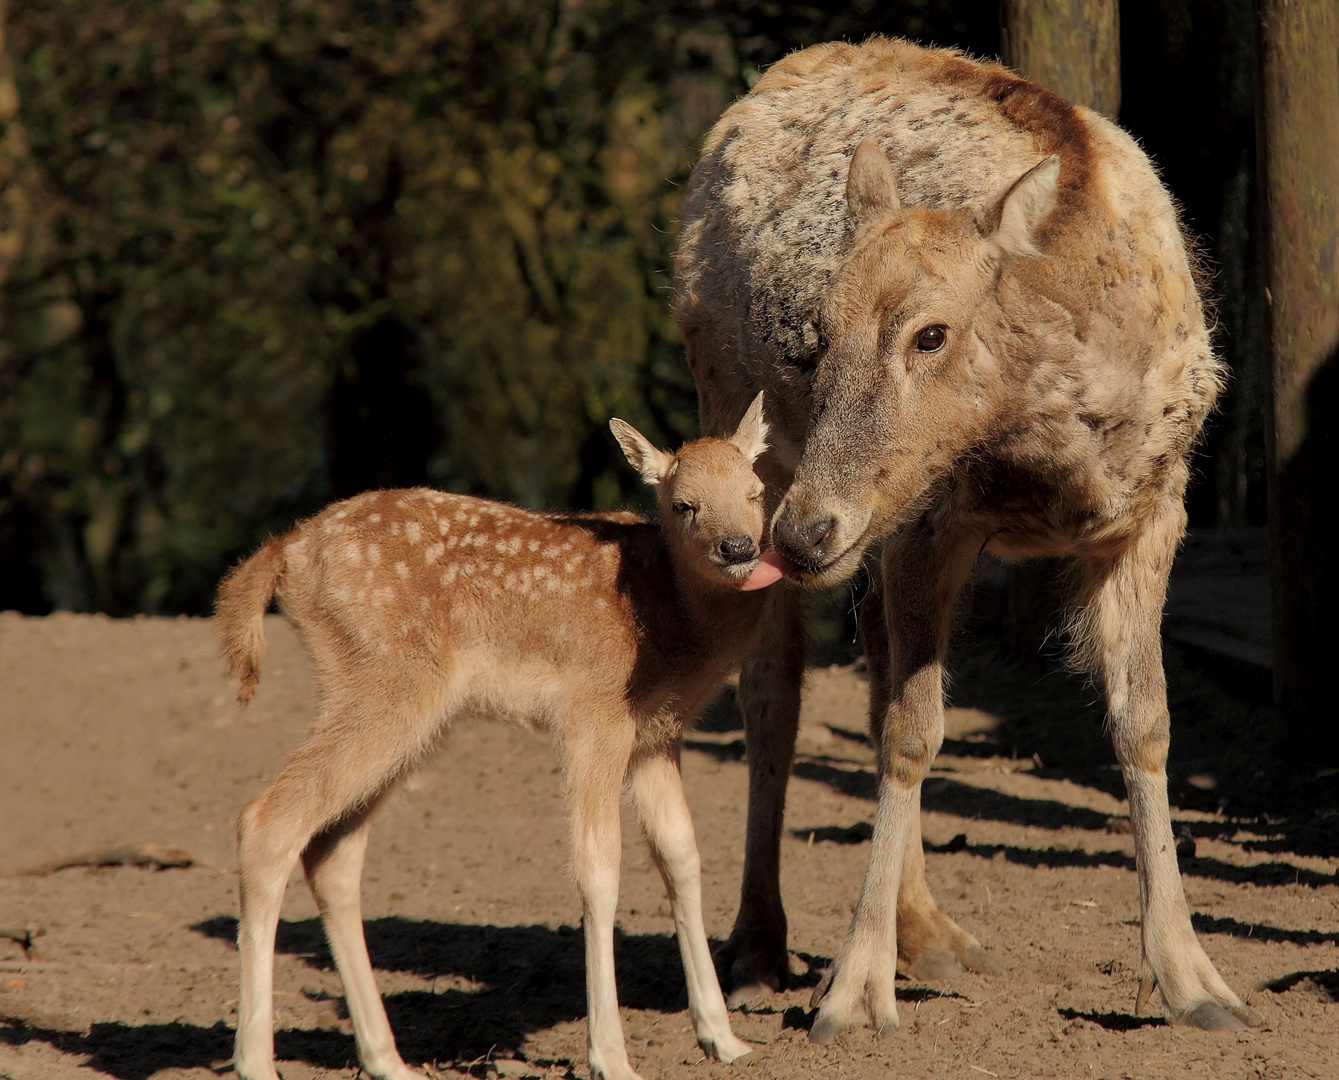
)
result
[(1211, 1016), (751, 969), (935, 964), (845, 1003), (978, 959)]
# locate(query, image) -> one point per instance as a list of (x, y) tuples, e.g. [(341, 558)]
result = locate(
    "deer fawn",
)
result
[(419, 607)]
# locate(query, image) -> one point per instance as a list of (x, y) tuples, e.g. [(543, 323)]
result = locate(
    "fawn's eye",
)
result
[(683, 508), (931, 339)]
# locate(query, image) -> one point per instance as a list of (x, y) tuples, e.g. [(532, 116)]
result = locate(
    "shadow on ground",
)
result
[(529, 978)]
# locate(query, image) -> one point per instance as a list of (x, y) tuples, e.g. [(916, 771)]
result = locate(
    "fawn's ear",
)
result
[(1010, 222), (653, 464), (871, 188), (751, 435)]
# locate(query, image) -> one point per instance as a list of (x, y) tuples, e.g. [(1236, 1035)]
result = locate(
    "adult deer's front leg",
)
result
[(931, 945), (754, 957), (1119, 625), (922, 573)]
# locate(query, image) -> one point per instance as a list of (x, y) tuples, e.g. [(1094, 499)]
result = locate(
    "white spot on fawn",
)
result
[(374, 554), (402, 570), (450, 574), (413, 531), (433, 552), (533, 545), (375, 519)]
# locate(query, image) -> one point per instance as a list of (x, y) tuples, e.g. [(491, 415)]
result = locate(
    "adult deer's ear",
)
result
[(871, 188), (751, 435), (653, 464), (1011, 221)]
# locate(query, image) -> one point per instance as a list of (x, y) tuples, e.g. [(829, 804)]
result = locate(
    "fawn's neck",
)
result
[(724, 617)]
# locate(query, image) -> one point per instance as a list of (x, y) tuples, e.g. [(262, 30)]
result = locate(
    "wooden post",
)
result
[(1299, 156), (1073, 48), (1069, 46)]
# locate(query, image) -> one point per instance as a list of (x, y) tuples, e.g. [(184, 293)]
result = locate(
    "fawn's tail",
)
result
[(239, 614)]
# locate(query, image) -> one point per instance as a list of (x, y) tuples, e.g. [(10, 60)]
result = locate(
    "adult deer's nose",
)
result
[(804, 544), (737, 549)]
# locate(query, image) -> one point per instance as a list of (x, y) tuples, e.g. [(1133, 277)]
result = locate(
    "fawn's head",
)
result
[(711, 501), (905, 384)]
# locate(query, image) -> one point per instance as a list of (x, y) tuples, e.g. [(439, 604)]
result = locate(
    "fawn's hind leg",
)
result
[(595, 760), (333, 862), (338, 773), (657, 787)]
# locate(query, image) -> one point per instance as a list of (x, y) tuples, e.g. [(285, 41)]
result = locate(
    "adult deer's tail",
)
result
[(239, 614)]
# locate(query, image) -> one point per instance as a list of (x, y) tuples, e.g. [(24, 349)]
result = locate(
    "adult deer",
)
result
[(973, 310)]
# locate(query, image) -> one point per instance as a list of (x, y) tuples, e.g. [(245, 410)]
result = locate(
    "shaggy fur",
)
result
[(977, 322)]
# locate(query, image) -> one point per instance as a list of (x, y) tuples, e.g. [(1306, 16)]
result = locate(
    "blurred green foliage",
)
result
[(258, 254)]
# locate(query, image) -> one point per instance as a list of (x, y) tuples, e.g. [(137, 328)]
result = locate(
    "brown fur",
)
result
[(419, 608), (857, 200)]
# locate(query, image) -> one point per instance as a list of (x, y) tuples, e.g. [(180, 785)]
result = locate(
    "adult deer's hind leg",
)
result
[(754, 957), (657, 787), (1119, 632), (930, 945)]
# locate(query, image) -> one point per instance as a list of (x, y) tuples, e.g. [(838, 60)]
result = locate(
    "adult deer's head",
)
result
[(904, 385)]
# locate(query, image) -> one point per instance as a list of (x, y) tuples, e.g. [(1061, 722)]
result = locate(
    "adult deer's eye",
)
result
[(931, 339)]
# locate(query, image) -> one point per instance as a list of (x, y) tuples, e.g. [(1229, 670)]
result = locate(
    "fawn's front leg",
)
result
[(922, 573), (595, 759), (657, 788)]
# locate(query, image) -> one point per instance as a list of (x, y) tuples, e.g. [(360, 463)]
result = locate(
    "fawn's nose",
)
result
[(737, 549), (804, 544)]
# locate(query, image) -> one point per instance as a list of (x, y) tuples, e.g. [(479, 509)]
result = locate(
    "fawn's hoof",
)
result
[(725, 1048)]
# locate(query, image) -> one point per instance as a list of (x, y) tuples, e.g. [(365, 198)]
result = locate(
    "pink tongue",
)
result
[(771, 568)]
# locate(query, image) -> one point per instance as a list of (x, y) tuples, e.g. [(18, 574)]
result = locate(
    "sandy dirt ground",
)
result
[(117, 733)]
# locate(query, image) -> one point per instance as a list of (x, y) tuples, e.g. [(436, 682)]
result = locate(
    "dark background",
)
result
[(255, 256)]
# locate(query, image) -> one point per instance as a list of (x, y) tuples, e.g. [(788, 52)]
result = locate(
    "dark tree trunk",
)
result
[(1069, 46), (1299, 156)]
